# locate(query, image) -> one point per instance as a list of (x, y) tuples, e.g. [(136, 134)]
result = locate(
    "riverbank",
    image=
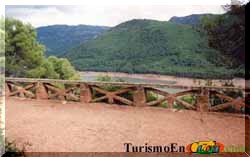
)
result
[(236, 82)]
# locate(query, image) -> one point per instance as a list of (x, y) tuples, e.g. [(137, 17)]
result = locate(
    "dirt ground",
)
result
[(49, 126)]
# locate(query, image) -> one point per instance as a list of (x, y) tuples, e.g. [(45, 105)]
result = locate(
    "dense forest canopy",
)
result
[(149, 46)]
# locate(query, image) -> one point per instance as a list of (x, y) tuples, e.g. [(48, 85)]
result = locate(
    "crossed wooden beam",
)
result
[(238, 103), (83, 91), (62, 94), (111, 96), (171, 98), (19, 90)]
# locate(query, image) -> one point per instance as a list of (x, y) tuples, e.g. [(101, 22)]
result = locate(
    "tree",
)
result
[(2, 34), (227, 33), (23, 53), (25, 56), (63, 68), (46, 70)]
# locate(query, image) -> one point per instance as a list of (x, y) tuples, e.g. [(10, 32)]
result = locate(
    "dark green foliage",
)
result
[(59, 38), (46, 70), (163, 104), (150, 96), (227, 34), (191, 99), (25, 56), (63, 68), (22, 51), (148, 46)]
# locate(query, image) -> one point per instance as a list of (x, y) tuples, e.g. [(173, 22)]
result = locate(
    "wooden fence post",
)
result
[(247, 123), (41, 92), (203, 101), (7, 90), (85, 93), (170, 101), (139, 96), (110, 98)]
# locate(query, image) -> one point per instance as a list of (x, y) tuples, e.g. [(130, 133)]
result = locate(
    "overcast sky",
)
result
[(108, 15)]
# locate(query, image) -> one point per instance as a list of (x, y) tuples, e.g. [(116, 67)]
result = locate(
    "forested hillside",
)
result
[(193, 20), (59, 38), (148, 46)]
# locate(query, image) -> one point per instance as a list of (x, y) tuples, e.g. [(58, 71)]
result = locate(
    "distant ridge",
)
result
[(59, 38), (193, 19)]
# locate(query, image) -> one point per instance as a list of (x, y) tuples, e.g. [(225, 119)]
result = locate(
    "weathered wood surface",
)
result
[(134, 94)]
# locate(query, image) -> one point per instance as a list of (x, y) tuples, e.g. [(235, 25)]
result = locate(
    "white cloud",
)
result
[(108, 15)]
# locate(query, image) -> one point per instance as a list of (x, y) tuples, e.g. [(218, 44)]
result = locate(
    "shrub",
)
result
[(163, 104), (11, 149), (104, 78), (150, 96), (191, 99)]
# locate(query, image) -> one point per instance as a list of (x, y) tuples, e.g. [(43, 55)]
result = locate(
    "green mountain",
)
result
[(59, 38), (149, 46), (192, 20)]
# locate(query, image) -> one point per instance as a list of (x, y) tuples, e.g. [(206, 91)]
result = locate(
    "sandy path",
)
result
[(52, 126)]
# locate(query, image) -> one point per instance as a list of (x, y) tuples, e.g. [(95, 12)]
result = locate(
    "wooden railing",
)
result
[(133, 94)]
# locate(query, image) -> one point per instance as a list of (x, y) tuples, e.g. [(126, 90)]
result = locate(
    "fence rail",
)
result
[(207, 98)]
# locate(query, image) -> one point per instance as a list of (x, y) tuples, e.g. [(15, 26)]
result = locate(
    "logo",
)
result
[(205, 147)]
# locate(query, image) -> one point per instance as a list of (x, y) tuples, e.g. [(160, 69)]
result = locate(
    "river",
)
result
[(135, 80), (161, 79)]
